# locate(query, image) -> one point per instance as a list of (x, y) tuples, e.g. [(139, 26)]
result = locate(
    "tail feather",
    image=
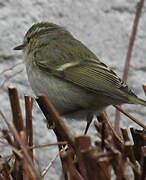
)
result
[(136, 100)]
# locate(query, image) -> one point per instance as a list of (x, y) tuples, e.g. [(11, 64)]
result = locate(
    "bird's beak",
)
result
[(20, 47)]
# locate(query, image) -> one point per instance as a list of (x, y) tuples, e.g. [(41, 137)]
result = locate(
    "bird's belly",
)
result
[(65, 96)]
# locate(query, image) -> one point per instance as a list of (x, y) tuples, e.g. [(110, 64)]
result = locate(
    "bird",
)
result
[(72, 76)]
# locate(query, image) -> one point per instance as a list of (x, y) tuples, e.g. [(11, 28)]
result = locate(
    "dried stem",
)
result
[(16, 109), (29, 129), (131, 117), (129, 53), (52, 116)]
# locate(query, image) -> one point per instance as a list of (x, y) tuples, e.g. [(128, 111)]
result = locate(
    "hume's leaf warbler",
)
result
[(74, 79)]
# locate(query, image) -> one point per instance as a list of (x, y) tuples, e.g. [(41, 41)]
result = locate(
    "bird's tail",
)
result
[(136, 100)]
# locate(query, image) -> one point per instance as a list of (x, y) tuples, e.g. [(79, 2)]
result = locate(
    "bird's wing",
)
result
[(88, 72), (91, 75)]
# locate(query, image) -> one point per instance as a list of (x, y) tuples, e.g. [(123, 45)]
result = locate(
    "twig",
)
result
[(129, 53), (16, 109), (18, 152), (139, 140), (103, 117), (29, 129), (84, 144), (7, 136), (143, 177), (52, 161), (132, 39), (70, 167), (131, 117), (50, 144), (34, 172), (10, 77), (52, 116)]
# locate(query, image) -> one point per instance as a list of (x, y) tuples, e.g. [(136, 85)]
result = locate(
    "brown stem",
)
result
[(16, 109), (52, 116), (130, 116), (129, 53), (29, 127)]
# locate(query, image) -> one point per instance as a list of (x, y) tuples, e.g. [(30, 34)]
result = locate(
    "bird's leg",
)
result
[(89, 120)]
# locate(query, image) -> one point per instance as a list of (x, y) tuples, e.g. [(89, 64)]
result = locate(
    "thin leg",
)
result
[(89, 120)]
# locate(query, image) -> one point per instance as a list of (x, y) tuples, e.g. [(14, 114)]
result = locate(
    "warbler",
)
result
[(72, 76)]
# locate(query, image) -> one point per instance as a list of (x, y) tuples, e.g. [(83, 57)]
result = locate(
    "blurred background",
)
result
[(103, 26)]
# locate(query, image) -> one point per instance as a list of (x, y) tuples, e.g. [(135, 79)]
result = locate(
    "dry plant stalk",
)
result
[(80, 159), (140, 5)]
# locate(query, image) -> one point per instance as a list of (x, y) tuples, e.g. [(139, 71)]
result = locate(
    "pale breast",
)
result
[(65, 96)]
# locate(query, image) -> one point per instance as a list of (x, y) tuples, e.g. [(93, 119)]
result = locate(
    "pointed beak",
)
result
[(20, 47)]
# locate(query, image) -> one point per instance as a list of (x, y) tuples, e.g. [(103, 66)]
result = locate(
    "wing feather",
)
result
[(85, 71)]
